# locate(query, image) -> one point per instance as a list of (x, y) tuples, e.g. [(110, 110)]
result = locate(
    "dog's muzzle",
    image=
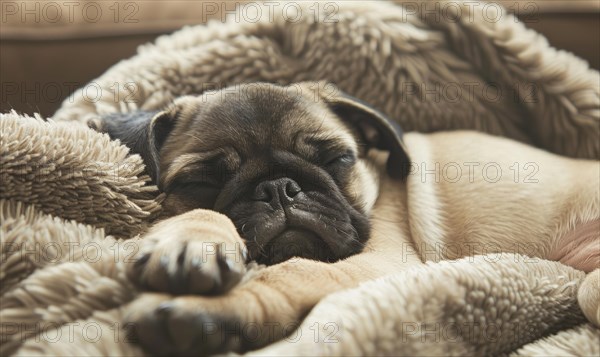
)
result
[(284, 222)]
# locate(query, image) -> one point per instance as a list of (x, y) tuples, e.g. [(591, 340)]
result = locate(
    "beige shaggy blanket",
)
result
[(69, 196)]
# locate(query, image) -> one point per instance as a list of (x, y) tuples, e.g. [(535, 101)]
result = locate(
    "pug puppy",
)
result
[(288, 169), (319, 186)]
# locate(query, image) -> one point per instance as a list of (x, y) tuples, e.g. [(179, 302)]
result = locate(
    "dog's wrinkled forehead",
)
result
[(252, 119)]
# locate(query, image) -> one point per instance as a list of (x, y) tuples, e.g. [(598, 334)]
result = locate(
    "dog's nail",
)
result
[(196, 262), (225, 264), (181, 256), (92, 124), (142, 260), (164, 309), (164, 261)]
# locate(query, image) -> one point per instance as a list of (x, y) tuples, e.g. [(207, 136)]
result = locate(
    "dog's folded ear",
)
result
[(376, 130), (143, 132)]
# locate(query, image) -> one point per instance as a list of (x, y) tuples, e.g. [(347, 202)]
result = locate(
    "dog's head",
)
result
[(286, 164)]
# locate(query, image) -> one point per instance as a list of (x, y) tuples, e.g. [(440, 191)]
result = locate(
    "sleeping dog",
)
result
[(328, 193)]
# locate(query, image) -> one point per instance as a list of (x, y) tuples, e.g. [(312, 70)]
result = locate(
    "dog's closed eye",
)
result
[(345, 158), (199, 194), (194, 185)]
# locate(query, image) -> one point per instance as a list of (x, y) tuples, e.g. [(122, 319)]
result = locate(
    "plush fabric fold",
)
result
[(476, 306), (430, 68), (69, 196), (74, 173)]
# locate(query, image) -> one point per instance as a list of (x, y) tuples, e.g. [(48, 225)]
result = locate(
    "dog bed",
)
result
[(73, 203)]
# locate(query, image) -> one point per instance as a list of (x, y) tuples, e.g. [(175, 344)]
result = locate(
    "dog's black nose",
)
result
[(282, 189)]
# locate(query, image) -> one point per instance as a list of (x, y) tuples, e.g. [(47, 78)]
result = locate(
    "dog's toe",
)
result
[(213, 273), (171, 328), (188, 267), (148, 328)]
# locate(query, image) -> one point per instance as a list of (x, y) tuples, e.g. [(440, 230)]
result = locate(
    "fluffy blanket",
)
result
[(69, 196)]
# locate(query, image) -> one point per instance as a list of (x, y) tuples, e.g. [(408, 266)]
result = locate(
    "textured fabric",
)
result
[(427, 72), (63, 187), (83, 273), (382, 53), (74, 173), (475, 306), (583, 340)]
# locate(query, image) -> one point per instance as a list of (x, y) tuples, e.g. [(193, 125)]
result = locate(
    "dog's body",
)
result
[(465, 193)]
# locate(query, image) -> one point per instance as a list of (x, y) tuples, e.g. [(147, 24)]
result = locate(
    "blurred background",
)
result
[(50, 48)]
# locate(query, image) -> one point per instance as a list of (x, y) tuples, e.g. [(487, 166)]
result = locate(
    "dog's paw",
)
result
[(167, 326), (190, 256)]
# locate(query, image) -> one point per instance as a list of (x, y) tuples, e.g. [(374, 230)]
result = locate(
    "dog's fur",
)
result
[(461, 194)]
